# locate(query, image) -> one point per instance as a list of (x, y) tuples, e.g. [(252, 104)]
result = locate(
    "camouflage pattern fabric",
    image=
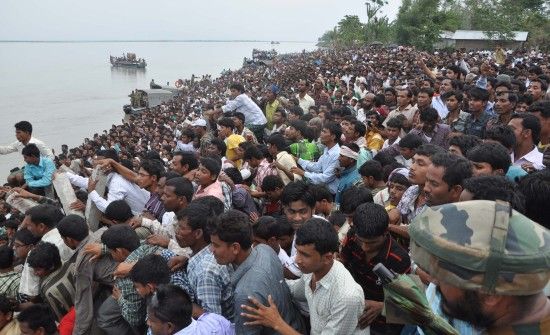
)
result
[(482, 246)]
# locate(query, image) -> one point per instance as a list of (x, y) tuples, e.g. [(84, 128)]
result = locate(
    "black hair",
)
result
[(220, 144), (25, 126), (7, 305), (285, 228), (118, 211), (49, 215), (531, 122), (456, 168), (26, 237), (372, 168), (277, 140), (370, 220), (212, 203), (73, 226), (320, 233), (334, 129), (198, 217), (11, 223), (464, 142), (337, 218), (477, 93), (400, 179), (266, 228), (296, 110), (390, 89), (385, 158), (353, 197), (171, 303), (188, 158), (428, 150), (359, 127), (182, 187), (299, 125), (457, 94), (542, 107), (44, 256), (150, 269), (394, 122), (493, 153), (237, 86), (213, 165), (31, 150), (226, 122), (543, 84), (233, 226), (429, 115), (321, 192), (120, 236), (153, 167), (253, 152), (298, 191), (502, 134), (239, 116), (108, 153), (496, 188), (38, 316), (272, 182), (6, 257), (536, 189), (410, 141), (427, 90), (525, 98)]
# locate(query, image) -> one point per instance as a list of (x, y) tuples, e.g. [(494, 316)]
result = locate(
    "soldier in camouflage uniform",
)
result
[(490, 263)]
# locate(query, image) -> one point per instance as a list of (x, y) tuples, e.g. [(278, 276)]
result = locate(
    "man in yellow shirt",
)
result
[(373, 138), (226, 126)]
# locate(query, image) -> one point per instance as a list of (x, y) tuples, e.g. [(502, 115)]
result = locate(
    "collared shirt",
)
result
[(305, 149), (242, 200), (440, 106), (214, 189), (494, 121), (260, 275), (534, 157), (18, 146), (457, 124), (270, 108), (210, 283), (9, 283), (475, 126), (263, 170), (243, 104), (408, 112), (336, 303), (324, 170), (166, 228), (408, 202), (440, 136), (305, 103), (208, 324), (286, 160), (155, 206), (39, 175), (348, 178)]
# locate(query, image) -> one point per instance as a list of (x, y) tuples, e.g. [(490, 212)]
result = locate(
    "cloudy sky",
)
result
[(286, 20)]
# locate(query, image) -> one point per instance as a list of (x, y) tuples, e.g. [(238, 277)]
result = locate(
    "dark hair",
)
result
[(542, 107), (253, 152), (170, 303), (239, 116), (237, 86), (212, 203), (108, 153), (464, 142), (182, 187), (119, 211), (26, 237), (477, 93), (394, 122), (543, 84), (277, 140), (298, 191), (213, 165), (150, 269), (271, 182), (359, 127), (337, 218), (7, 305), (198, 217), (226, 122), (372, 168), (531, 122), (405, 89), (429, 115), (38, 316), (428, 150), (296, 110), (370, 220), (49, 215), (536, 189), (320, 233), (502, 134), (410, 141), (11, 223), (220, 144), (120, 236), (285, 228), (334, 129), (321, 192), (353, 197), (391, 90), (266, 228), (44, 256), (31, 150), (73, 226), (188, 158), (234, 174), (233, 226), (6, 257), (493, 153), (495, 188), (427, 90), (153, 167), (400, 179), (456, 168), (25, 126), (299, 125), (457, 94)]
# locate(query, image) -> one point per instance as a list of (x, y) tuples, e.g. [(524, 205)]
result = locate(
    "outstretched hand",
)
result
[(260, 315)]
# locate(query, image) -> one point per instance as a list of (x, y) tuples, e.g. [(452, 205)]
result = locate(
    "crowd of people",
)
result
[(259, 202)]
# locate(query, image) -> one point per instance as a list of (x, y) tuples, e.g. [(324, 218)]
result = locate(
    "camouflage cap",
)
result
[(482, 246)]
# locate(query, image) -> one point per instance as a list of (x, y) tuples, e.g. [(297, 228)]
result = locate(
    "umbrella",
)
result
[(404, 298)]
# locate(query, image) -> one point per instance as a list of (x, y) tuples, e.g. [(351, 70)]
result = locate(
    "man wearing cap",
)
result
[(204, 136), (490, 264), (348, 167)]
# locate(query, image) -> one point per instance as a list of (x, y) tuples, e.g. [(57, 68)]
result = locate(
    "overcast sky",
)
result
[(285, 20)]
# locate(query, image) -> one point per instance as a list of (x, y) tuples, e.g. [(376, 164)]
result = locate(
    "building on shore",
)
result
[(480, 40)]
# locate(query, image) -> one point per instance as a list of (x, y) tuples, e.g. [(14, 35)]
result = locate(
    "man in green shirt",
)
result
[(301, 147)]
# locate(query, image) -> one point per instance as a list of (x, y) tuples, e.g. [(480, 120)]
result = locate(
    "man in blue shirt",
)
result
[(38, 171), (349, 176)]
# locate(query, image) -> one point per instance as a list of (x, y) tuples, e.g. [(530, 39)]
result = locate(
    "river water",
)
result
[(68, 91)]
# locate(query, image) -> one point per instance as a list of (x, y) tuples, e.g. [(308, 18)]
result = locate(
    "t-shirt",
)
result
[(233, 142)]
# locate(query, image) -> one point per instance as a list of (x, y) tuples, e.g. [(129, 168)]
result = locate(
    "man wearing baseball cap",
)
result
[(490, 263)]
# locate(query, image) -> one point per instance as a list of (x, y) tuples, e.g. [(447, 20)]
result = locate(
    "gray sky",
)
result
[(295, 20)]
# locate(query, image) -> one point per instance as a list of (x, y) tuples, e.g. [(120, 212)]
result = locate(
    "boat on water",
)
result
[(275, 42), (128, 60)]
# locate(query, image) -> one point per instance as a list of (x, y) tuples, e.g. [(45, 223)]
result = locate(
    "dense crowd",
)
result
[(259, 202)]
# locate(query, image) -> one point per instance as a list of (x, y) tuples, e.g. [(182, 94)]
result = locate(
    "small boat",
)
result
[(275, 42), (128, 60)]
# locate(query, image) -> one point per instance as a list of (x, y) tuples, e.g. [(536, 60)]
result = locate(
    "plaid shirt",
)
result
[(9, 284), (210, 283), (132, 305), (263, 170)]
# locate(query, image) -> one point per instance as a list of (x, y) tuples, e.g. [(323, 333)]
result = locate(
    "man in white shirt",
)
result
[(526, 128), (255, 119), (23, 134), (304, 100), (324, 279)]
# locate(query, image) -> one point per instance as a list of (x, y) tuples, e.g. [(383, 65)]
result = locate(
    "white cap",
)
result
[(199, 123)]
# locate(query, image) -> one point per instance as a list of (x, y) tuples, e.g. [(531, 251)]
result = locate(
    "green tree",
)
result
[(350, 30)]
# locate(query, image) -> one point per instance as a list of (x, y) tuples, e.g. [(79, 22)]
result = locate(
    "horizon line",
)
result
[(149, 41)]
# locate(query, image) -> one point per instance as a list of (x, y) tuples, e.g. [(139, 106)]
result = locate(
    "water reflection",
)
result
[(132, 72)]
